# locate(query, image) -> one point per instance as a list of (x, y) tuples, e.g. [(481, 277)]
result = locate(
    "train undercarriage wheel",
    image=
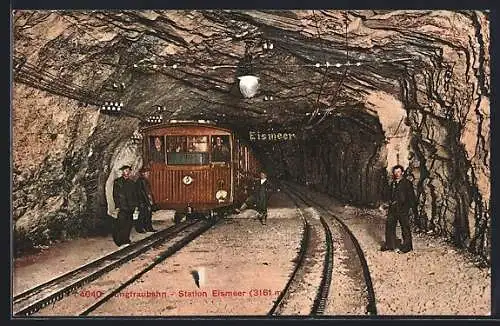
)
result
[(211, 215)]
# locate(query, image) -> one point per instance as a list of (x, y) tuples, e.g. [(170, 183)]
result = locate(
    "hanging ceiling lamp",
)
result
[(249, 85), (248, 82)]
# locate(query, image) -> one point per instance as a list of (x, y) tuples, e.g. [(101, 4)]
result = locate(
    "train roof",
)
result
[(185, 123)]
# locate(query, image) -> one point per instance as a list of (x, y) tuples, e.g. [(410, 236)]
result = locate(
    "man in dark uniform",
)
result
[(144, 222), (157, 152), (220, 152), (259, 198), (401, 199), (125, 197)]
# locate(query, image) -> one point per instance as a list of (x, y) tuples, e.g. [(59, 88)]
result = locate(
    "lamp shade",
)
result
[(248, 85)]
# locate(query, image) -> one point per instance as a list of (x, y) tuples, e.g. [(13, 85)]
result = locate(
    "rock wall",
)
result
[(450, 176), (392, 115), (61, 160), (448, 113), (445, 135), (439, 129)]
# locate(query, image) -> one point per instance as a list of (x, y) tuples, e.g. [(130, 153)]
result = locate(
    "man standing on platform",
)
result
[(144, 223), (258, 199), (126, 202), (401, 199)]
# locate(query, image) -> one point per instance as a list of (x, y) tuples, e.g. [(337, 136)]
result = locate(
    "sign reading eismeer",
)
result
[(271, 136)]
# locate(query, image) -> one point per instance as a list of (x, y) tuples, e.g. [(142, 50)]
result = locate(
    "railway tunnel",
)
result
[(355, 92)]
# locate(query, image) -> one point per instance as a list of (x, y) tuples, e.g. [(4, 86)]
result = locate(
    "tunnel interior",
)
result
[(343, 157), (360, 91)]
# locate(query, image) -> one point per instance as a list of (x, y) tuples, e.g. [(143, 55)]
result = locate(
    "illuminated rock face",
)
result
[(416, 92), (62, 157)]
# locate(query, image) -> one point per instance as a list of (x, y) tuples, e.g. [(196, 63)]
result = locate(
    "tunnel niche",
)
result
[(128, 153)]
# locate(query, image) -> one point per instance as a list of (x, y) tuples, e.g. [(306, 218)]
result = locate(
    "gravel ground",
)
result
[(249, 264), (65, 256), (80, 300), (242, 267), (303, 290), (434, 279)]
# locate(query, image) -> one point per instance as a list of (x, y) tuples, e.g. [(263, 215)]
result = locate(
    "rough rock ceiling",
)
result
[(86, 52)]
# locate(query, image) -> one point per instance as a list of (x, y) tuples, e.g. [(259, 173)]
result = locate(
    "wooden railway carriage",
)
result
[(196, 167)]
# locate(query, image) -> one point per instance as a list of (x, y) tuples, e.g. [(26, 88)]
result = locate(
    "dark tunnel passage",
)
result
[(407, 88), (344, 158)]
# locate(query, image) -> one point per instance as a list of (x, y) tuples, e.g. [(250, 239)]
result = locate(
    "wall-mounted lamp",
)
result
[(268, 98), (155, 119), (112, 106), (267, 45), (119, 86)]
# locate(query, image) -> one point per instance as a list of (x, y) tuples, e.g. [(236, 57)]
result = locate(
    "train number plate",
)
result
[(187, 180)]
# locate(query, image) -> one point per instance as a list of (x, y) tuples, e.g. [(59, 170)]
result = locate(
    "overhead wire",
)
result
[(177, 65), (28, 74), (341, 81), (315, 112), (47, 79)]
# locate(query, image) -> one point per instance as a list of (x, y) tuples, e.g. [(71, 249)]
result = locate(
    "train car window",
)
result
[(197, 144), (176, 144), (189, 150), (220, 148), (157, 149)]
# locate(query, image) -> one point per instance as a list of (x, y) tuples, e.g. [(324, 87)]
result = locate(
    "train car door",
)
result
[(221, 158), (236, 161)]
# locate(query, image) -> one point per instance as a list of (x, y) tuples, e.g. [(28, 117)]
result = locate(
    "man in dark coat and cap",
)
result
[(144, 223), (401, 200), (259, 198), (126, 202)]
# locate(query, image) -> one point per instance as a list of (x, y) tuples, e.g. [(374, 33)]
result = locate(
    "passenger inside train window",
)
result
[(176, 144), (187, 150), (157, 149), (197, 144), (220, 149)]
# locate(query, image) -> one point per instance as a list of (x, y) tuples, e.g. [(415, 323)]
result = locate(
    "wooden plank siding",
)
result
[(166, 180)]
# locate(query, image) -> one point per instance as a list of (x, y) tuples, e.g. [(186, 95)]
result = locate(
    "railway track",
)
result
[(305, 252), (370, 293), (185, 236), (38, 297), (278, 304)]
